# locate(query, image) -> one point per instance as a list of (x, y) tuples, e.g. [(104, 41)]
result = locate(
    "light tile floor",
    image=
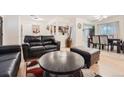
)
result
[(110, 64)]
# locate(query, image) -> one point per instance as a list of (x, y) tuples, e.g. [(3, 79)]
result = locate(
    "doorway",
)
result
[(88, 30), (1, 31)]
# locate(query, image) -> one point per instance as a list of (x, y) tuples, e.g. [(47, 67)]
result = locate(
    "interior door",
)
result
[(1, 31), (86, 32)]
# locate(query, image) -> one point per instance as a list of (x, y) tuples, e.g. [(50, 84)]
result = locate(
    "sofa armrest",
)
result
[(25, 48), (123, 47), (58, 44), (9, 49)]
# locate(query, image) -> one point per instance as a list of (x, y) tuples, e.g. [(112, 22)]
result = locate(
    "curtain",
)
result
[(110, 29)]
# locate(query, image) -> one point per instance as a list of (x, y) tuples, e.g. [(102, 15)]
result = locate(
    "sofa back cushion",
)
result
[(35, 44), (47, 42), (29, 39), (48, 39)]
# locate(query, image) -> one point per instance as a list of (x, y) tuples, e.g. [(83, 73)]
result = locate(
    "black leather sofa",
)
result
[(36, 46), (10, 58)]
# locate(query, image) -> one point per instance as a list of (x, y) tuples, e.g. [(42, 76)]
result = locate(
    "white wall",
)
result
[(120, 19), (16, 27), (60, 21), (11, 30)]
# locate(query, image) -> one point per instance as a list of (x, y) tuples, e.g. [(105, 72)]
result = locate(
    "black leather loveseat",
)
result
[(36, 46), (10, 58)]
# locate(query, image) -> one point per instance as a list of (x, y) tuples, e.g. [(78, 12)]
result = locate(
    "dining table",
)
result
[(112, 42)]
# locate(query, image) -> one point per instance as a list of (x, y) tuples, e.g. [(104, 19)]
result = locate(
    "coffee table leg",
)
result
[(46, 74)]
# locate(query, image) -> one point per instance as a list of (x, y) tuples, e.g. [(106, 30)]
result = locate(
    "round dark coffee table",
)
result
[(61, 62)]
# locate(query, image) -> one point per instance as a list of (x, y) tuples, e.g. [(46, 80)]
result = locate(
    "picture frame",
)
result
[(36, 29)]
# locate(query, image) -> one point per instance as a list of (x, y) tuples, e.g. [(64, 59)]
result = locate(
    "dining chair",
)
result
[(104, 41), (110, 36), (116, 43), (95, 41)]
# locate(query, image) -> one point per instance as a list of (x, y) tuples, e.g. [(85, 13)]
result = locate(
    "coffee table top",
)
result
[(61, 62)]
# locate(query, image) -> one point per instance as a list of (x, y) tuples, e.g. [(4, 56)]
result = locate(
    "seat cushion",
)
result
[(9, 66), (50, 47), (8, 56), (36, 48)]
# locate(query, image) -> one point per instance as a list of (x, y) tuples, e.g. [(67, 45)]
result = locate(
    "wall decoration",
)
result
[(79, 25), (54, 29), (63, 29), (36, 29), (51, 29), (57, 29)]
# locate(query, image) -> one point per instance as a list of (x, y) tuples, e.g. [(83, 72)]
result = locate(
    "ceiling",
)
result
[(68, 17)]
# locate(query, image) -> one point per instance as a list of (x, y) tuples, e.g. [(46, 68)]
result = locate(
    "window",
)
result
[(110, 29)]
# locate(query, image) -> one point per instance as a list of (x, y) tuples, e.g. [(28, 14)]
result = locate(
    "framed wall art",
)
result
[(36, 29)]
